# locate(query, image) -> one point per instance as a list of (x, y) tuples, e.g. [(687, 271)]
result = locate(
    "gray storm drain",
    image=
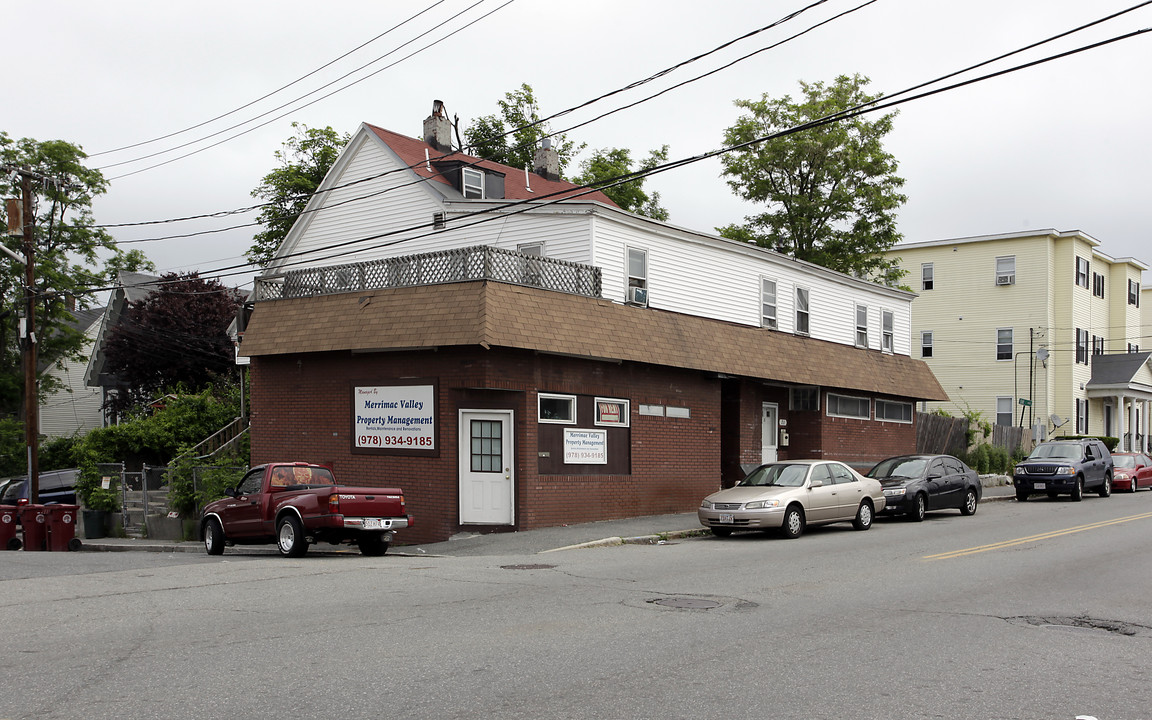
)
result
[(1086, 624), (686, 603), (538, 566)]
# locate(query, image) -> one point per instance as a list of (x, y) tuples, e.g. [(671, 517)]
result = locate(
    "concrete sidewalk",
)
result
[(648, 529)]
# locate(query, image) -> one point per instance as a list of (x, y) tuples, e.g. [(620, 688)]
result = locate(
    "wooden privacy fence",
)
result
[(944, 435), (949, 435)]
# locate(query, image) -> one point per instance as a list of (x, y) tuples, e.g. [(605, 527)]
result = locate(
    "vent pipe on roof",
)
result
[(438, 128), (546, 162)]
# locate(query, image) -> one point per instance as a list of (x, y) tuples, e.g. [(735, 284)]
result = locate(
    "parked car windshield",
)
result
[(1055, 452), (779, 475), (898, 468), (1124, 461)]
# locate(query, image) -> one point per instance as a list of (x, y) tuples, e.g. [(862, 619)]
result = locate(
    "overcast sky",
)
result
[(1063, 145)]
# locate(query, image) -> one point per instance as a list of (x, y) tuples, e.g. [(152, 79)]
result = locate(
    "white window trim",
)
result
[(625, 412), (629, 277), (476, 175), (1011, 344), (797, 311), (927, 275), (1083, 280), (531, 248), (555, 396), (887, 331), (850, 397), (931, 344), (1010, 273), (772, 323), (1011, 408), (861, 329), (911, 414)]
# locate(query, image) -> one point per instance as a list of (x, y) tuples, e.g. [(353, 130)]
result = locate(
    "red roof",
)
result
[(412, 152)]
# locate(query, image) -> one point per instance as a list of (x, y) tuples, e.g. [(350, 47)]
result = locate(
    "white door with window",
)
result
[(486, 482), (768, 423)]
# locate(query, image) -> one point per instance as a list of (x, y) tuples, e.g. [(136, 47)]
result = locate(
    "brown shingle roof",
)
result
[(498, 315)]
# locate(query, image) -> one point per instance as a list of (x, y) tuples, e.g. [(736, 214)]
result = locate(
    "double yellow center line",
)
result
[(1036, 538)]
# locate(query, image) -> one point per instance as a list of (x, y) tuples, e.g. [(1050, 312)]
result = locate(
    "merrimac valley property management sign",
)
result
[(394, 418)]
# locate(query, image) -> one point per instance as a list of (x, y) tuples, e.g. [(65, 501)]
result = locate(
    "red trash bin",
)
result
[(62, 527), (35, 523), (8, 539)]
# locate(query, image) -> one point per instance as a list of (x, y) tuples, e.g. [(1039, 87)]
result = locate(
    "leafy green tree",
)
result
[(512, 136), (831, 191), (607, 165), (175, 338), (304, 161), (68, 249)]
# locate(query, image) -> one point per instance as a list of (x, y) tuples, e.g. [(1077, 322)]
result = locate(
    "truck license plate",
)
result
[(727, 518), (1039, 486), (373, 524)]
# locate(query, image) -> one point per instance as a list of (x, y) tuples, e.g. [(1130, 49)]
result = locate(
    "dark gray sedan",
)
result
[(915, 484)]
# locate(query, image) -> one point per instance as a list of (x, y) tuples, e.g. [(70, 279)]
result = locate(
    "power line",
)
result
[(307, 104), (630, 86), (268, 95), (877, 105)]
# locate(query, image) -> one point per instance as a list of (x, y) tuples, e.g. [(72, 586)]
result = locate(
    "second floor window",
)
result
[(1098, 285), (862, 326), (802, 311), (1006, 270), (886, 328), (768, 303), (927, 278), (1097, 345), (1082, 271), (637, 268), (926, 344), (1081, 346), (1134, 293), (1004, 344)]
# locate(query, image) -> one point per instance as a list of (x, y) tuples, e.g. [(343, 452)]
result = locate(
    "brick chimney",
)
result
[(438, 129), (546, 162)]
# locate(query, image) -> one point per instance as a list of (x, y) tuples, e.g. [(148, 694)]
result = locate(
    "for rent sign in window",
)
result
[(394, 417)]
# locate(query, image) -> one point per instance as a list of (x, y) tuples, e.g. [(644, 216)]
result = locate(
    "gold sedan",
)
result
[(790, 495)]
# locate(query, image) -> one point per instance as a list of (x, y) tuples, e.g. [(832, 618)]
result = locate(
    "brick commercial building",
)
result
[(558, 362)]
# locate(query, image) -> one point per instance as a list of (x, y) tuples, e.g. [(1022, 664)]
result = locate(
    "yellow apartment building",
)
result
[(1039, 329)]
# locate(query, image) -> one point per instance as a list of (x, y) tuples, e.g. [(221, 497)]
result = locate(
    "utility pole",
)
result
[(27, 231)]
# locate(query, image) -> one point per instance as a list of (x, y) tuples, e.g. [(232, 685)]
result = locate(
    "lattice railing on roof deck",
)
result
[(482, 262)]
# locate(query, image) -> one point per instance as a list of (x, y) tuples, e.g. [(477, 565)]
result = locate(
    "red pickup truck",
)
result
[(296, 504)]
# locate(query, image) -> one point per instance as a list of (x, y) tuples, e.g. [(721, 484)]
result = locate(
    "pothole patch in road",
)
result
[(529, 566), (693, 603), (1083, 623)]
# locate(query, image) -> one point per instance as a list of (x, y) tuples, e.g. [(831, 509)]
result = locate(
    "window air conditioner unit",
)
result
[(638, 296), (1005, 279)]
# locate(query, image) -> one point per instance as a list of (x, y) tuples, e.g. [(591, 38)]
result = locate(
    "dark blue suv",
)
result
[(1065, 467)]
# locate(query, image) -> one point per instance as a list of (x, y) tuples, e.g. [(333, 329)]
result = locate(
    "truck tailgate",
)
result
[(370, 502)]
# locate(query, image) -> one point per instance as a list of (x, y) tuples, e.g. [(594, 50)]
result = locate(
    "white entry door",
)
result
[(768, 418), (486, 482)]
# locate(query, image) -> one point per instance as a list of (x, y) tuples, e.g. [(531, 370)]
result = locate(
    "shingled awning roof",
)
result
[(489, 314)]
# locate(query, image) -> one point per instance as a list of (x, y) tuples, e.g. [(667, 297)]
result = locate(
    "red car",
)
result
[(1132, 471)]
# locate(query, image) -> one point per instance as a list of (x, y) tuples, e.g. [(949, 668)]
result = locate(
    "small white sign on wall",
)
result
[(585, 447)]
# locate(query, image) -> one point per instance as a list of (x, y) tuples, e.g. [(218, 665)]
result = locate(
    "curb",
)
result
[(637, 540)]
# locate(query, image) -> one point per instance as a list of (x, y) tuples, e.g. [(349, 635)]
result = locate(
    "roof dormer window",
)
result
[(472, 183)]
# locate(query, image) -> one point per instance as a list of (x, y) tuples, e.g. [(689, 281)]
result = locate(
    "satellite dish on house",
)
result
[(1055, 419)]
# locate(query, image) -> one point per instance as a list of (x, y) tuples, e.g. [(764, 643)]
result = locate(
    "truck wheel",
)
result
[(213, 538), (372, 545), (290, 537), (1078, 490)]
